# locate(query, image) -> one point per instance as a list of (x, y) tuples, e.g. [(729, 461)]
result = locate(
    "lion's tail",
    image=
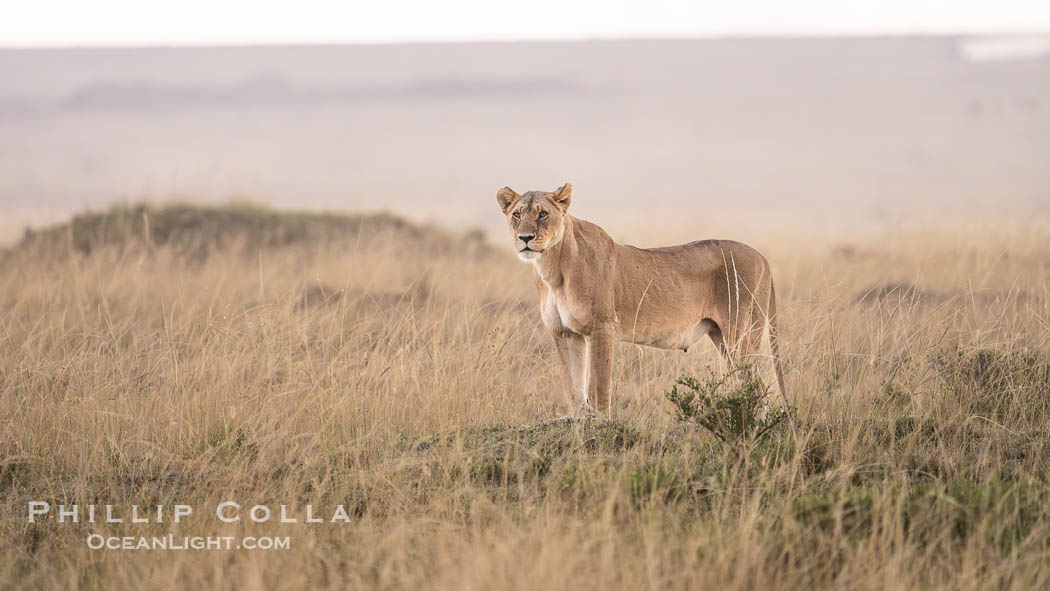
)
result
[(774, 348)]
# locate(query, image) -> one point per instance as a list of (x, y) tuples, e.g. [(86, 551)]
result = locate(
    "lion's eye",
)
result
[(543, 214), (517, 215)]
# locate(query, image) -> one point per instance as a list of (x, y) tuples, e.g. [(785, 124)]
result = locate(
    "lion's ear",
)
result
[(563, 196), (506, 198)]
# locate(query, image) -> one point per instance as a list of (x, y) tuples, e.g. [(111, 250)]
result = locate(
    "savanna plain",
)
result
[(162, 355)]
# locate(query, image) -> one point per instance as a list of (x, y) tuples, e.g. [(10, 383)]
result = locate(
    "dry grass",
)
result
[(370, 363)]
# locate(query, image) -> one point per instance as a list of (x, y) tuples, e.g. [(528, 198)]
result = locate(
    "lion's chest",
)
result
[(559, 315)]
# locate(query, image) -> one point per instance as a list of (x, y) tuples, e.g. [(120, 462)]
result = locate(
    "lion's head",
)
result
[(536, 219)]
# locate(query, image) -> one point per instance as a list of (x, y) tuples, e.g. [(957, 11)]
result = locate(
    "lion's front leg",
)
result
[(572, 349), (600, 344)]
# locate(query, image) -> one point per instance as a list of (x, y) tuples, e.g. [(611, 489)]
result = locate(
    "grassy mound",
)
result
[(195, 232)]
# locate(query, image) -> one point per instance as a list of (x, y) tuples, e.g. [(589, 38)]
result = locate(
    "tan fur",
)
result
[(594, 292)]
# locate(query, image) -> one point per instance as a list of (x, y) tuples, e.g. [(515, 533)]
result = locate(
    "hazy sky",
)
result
[(178, 22)]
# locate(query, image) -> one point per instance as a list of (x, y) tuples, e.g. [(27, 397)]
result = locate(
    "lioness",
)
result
[(594, 292)]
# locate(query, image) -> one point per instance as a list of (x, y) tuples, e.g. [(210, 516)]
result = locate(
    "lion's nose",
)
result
[(526, 239)]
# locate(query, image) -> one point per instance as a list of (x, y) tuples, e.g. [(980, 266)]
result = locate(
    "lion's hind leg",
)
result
[(743, 350)]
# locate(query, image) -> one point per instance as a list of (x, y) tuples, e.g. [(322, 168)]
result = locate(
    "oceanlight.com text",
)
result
[(173, 542)]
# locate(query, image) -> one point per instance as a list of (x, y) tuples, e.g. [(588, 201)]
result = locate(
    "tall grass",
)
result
[(387, 369)]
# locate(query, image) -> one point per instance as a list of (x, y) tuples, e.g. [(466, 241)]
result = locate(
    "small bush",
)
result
[(732, 407)]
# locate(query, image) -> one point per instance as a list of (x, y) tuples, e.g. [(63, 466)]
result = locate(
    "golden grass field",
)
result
[(179, 355)]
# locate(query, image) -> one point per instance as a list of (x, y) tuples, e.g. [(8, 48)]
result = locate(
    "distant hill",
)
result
[(275, 90)]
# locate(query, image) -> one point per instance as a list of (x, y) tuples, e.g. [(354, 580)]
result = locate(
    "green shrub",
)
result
[(733, 408)]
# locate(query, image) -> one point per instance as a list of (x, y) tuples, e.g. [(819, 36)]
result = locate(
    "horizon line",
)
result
[(757, 36)]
